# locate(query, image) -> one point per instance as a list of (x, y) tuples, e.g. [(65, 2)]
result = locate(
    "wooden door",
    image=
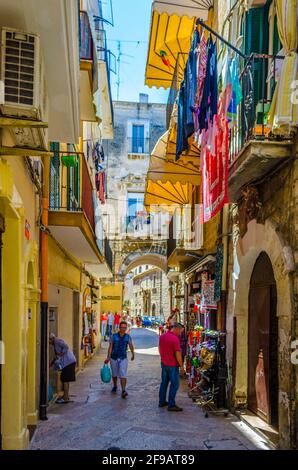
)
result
[(263, 342)]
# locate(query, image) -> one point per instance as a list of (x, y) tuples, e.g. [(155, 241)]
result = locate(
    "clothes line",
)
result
[(218, 36)]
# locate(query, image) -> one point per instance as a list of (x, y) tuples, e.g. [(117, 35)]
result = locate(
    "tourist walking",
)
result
[(67, 363), (110, 324), (117, 321), (104, 322), (117, 356), (171, 360)]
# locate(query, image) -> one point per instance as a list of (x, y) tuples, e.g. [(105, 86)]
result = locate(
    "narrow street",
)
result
[(98, 420)]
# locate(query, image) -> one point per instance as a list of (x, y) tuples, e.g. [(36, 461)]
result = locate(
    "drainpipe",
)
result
[(225, 242), (43, 397), (2, 228)]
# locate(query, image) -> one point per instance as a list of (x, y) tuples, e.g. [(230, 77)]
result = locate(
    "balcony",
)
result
[(71, 213), (185, 238), (254, 150), (106, 66), (88, 69)]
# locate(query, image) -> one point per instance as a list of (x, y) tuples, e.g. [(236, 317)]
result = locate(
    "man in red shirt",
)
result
[(117, 317), (104, 321), (171, 360)]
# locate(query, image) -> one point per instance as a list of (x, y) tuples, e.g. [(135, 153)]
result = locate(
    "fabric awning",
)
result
[(163, 168), (169, 183), (172, 26), (167, 196)]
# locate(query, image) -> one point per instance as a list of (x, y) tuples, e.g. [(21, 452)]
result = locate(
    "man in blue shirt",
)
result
[(117, 355)]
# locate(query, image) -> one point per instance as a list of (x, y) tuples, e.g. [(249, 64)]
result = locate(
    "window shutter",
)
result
[(256, 41)]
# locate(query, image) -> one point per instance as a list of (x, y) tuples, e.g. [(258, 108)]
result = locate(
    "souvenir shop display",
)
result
[(89, 326), (204, 365), (202, 308)]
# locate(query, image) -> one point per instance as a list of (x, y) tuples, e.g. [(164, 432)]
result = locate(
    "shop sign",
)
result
[(208, 295), (111, 297)]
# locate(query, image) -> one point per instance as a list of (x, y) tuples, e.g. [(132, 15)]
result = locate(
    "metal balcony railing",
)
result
[(67, 192), (258, 78)]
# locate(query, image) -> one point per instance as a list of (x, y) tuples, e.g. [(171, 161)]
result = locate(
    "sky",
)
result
[(132, 23)]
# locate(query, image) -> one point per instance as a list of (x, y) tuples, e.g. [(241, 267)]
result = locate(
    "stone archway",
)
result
[(135, 259), (263, 238)]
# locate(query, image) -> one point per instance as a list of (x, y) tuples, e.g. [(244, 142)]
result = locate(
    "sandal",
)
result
[(124, 394)]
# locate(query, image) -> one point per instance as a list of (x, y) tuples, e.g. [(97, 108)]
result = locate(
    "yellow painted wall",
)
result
[(61, 271), (20, 285), (210, 234), (112, 290)]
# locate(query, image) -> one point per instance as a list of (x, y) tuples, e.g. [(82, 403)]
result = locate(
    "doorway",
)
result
[(263, 342), (76, 325)]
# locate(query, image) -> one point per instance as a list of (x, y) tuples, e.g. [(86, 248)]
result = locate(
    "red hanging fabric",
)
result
[(214, 154)]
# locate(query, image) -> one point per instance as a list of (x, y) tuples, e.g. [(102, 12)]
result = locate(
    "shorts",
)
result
[(119, 368), (68, 373)]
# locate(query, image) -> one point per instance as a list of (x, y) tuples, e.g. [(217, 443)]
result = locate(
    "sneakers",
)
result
[(124, 394), (114, 389), (61, 401), (162, 405), (175, 408)]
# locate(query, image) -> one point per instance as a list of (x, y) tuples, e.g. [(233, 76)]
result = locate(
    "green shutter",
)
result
[(256, 41)]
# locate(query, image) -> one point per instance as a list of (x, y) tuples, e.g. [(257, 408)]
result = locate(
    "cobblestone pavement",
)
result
[(97, 419)]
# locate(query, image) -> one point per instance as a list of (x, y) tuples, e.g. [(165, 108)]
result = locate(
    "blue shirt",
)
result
[(120, 345)]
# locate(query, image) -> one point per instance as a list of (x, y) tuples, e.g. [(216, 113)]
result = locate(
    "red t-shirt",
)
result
[(117, 319), (169, 344), (104, 317)]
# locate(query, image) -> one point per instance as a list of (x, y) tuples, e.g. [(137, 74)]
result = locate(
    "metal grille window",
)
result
[(55, 177)]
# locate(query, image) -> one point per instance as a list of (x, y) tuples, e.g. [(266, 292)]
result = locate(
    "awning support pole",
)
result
[(227, 43)]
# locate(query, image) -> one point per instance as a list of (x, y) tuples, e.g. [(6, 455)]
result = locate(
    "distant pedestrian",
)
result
[(104, 322), (117, 355), (173, 317), (171, 360), (183, 346), (68, 365), (110, 323), (117, 318)]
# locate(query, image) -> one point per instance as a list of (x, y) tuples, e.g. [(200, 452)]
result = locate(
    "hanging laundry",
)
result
[(181, 141), (101, 190), (236, 92), (210, 93), (215, 167), (190, 78), (202, 57), (226, 94)]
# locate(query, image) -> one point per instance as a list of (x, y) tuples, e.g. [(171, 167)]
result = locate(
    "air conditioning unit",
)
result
[(25, 92)]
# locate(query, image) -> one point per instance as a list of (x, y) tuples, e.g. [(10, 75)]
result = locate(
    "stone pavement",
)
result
[(97, 419)]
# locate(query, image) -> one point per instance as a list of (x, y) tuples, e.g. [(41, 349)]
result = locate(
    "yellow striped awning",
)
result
[(169, 183), (164, 168), (172, 27)]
